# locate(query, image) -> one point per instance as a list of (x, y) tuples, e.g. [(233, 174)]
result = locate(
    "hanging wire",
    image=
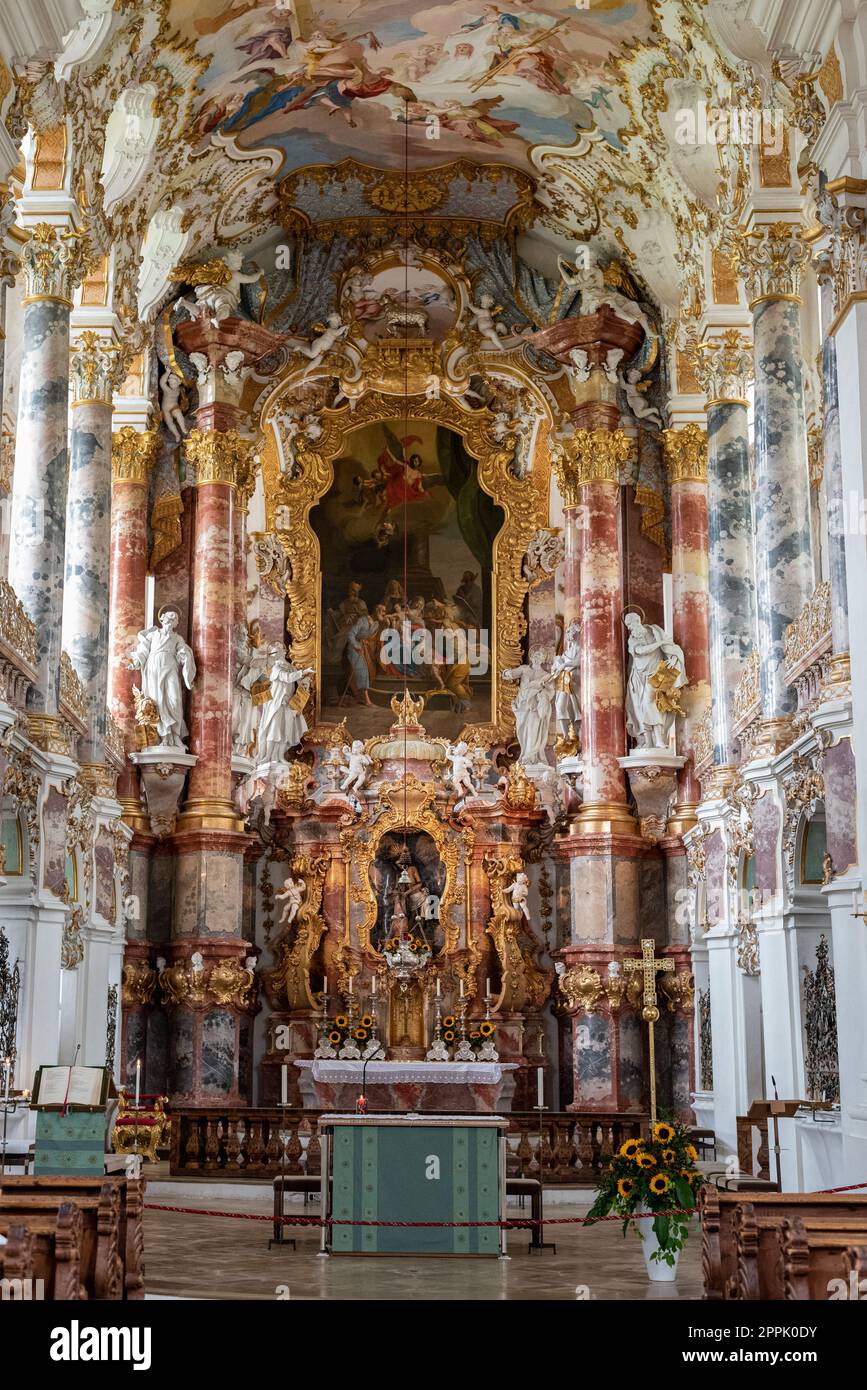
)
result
[(404, 446)]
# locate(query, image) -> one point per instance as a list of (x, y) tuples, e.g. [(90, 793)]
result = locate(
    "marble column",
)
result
[(94, 370), (134, 453), (686, 459), (772, 258), (833, 478), (724, 366), (38, 523)]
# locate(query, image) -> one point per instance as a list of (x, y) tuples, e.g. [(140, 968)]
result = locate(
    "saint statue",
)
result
[(283, 724), (657, 671), (564, 669), (163, 657), (532, 707), (250, 664)]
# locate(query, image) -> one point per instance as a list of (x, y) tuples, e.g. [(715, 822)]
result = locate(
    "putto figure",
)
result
[(164, 659), (293, 896), (461, 775), (357, 766)]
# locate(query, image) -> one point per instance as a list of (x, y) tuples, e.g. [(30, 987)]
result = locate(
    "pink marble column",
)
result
[(132, 456), (686, 457)]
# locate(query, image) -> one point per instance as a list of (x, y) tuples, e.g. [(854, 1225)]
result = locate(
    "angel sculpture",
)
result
[(358, 763), (233, 368), (328, 335), (519, 893), (216, 286), (484, 318), (588, 277), (202, 367), (580, 359), (171, 386), (640, 407), (293, 896), (461, 774)]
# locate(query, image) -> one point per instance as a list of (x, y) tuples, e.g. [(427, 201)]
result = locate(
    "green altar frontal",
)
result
[(418, 1169)]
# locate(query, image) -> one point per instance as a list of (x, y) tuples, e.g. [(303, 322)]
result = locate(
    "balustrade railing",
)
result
[(569, 1148), (807, 642), (18, 651)]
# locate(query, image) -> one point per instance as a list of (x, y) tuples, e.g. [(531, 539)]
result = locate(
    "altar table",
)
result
[(480, 1087), (413, 1168)]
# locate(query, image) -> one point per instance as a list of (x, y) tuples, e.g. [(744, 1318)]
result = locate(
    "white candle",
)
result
[(350, 985), (462, 989), (6, 1070), (540, 1086), (137, 1079), (284, 1084), (438, 986), (374, 987), (488, 986)]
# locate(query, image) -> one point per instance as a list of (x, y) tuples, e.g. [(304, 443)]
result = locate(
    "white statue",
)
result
[(461, 774), (328, 335), (656, 672), (293, 896), (580, 370), (202, 367), (217, 287), (282, 725), (197, 962), (357, 765), (250, 663), (550, 792), (532, 707), (519, 893), (171, 387), (565, 669), (233, 368), (484, 318), (612, 364), (587, 276), (641, 408), (250, 964), (163, 657)]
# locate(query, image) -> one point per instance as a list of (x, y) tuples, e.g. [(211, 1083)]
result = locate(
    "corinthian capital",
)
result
[(94, 370), (53, 264), (841, 259), (133, 454), (724, 366), (220, 456), (685, 453), (589, 456), (771, 258)]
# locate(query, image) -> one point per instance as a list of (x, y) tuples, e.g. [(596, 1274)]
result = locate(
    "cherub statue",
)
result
[(484, 318), (293, 896), (202, 367), (233, 368), (580, 359), (588, 277), (519, 892), (357, 764), (640, 408), (171, 386), (216, 285), (328, 335), (461, 774)]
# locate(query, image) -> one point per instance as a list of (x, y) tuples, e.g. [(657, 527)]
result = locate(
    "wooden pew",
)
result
[(130, 1221), (810, 1259), (761, 1244), (718, 1235), (100, 1264), (49, 1246)]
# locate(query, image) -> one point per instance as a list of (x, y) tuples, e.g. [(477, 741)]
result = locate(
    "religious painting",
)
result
[(408, 878), (55, 809), (406, 538), (370, 75), (404, 295)]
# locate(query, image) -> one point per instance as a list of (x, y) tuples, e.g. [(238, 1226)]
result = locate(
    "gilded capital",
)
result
[(724, 366), (93, 370), (133, 454), (53, 264), (771, 258), (220, 456), (685, 453), (589, 456)]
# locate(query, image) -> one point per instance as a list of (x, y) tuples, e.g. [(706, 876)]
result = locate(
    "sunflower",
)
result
[(625, 1186), (668, 1157), (449, 1021), (645, 1160), (659, 1183), (474, 1036), (341, 1021), (692, 1152), (630, 1148), (663, 1132), (334, 1037), (486, 1029), (366, 1021), (361, 1034), (448, 1035), (689, 1174)]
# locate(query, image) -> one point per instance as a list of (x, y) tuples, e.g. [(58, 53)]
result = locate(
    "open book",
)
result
[(72, 1086)]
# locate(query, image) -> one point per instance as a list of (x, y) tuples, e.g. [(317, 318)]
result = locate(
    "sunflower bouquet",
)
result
[(656, 1174), (341, 1028), (479, 1032)]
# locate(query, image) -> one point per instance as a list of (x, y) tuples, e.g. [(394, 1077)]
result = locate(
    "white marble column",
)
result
[(38, 524)]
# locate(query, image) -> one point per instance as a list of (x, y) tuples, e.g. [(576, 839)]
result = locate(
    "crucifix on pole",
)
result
[(649, 966)]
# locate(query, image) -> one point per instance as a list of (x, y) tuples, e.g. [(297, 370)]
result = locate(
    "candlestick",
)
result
[(137, 1080)]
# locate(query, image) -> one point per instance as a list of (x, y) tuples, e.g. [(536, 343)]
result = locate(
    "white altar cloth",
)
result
[(398, 1073)]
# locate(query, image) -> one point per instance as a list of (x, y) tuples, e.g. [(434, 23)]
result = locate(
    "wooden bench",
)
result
[(46, 1193), (761, 1240), (722, 1217), (46, 1247), (810, 1259), (100, 1264)]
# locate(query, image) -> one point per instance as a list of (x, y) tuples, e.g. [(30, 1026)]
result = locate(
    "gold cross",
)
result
[(649, 967)]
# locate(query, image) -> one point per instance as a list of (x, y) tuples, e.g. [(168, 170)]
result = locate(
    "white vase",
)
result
[(658, 1271)]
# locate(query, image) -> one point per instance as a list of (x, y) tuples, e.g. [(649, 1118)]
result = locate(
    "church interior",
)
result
[(432, 762)]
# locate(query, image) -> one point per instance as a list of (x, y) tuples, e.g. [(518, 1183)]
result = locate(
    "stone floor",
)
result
[(205, 1257)]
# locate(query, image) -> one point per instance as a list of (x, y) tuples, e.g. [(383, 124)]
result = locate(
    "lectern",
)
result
[(417, 1169)]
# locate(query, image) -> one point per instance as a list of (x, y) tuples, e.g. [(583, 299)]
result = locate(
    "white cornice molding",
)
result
[(36, 28), (797, 26)]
